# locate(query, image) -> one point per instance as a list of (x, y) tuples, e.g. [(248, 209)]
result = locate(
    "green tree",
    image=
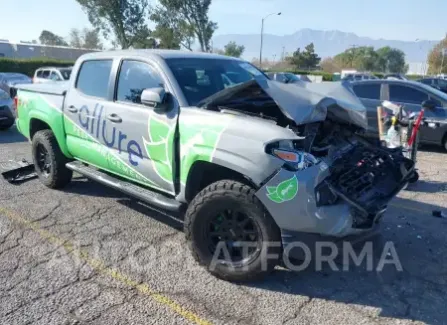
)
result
[(306, 59), (437, 58), (232, 49), (48, 38), (188, 19), (361, 58), (86, 39), (92, 39), (390, 60), (76, 38), (125, 20)]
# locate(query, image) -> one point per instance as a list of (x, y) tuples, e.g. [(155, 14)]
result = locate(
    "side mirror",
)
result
[(154, 97), (429, 104)]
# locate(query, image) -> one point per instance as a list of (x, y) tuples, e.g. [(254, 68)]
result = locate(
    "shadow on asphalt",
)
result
[(417, 292), (11, 135), (431, 148), (83, 186)]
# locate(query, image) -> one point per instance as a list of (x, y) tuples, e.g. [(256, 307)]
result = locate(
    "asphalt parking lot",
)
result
[(90, 255)]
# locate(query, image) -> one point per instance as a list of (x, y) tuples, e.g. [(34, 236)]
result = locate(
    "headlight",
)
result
[(294, 159), (4, 95)]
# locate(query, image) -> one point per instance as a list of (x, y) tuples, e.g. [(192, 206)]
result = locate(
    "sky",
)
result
[(388, 19)]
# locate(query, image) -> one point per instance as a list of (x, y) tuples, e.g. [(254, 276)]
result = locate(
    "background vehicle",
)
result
[(411, 94), (395, 76), (358, 76), (8, 81), (437, 83), (167, 129), (50, 74), (7, 114), (285, 77)]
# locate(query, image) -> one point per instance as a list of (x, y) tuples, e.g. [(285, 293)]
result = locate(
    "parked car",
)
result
[(395, 76), (437, 83), (285, 77), (251, 163), (411, 94), (7, 115), (51, 74), (8, 81), (358, 76)]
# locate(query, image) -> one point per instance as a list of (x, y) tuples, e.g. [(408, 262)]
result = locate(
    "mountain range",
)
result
[(327, 43)]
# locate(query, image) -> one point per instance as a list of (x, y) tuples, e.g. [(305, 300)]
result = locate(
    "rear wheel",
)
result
[(49, 161), (231, 234)]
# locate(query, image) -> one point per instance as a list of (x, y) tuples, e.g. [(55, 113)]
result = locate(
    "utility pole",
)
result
[(262, 36), (283, 57)]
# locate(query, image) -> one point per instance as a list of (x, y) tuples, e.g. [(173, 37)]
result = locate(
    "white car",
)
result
[(51, 74)]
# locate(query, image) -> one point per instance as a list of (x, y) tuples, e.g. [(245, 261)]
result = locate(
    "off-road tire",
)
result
[(224, 194), (59, 175)]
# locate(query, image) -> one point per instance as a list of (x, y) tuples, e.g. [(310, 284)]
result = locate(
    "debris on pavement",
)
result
[(23, 172)]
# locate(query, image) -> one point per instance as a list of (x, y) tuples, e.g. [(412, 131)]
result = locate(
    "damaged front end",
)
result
[(333, 181), (343, 192)]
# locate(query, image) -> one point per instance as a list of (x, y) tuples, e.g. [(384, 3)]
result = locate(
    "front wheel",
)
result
[(231, 234), (49, 161)]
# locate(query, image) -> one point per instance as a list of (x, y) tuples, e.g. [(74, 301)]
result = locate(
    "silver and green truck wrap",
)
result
[(247, 159)]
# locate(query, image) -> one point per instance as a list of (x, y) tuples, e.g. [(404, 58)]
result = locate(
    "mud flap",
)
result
[(290, 198), (20, 172)]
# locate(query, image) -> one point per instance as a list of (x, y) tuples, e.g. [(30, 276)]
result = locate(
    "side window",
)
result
[(46, 74), (54, 76), (133, 78), (39, 74), (93, 78), (370, 91), (405, 94)]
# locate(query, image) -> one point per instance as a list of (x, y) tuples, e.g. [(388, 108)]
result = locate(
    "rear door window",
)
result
[(404, 94), (369, 91), (39, 74), (46, 74), (93, 78)]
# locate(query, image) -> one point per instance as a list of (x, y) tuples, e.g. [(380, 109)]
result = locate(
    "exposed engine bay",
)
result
[(360, 173)]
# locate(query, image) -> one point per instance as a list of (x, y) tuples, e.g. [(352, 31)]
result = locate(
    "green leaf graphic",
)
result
[(271, 189), (285, 191), (275, 198)]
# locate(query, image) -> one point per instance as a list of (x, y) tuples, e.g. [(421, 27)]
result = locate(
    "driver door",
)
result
[(141, 137)]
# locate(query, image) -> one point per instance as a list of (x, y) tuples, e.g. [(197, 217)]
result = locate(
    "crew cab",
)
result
[(251, 160)]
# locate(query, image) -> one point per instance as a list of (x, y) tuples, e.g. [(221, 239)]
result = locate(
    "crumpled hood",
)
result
[(302, 102)]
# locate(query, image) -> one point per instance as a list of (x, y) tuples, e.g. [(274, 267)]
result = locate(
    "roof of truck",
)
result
[(164, 54)]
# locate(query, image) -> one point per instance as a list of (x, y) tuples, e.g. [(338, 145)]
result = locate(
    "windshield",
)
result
[(65, 73), (201, 78)]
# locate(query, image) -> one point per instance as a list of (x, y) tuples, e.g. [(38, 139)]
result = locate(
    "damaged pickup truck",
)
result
[(250, 159)]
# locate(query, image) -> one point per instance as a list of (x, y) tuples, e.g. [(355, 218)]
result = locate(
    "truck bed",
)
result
[(56, 88)]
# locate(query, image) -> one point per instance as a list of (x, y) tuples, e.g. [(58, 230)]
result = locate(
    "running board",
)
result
[(143, 194)]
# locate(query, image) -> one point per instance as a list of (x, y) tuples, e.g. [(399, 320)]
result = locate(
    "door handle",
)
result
[(114, 118), (72, 109)]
